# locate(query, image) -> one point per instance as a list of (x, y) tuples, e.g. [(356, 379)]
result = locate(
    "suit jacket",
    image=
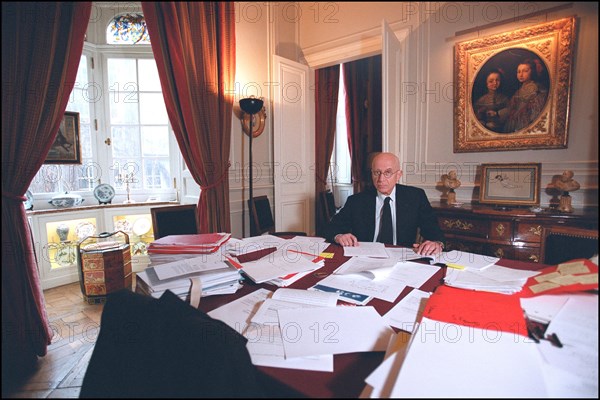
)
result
[(413, 211), (164, 348)]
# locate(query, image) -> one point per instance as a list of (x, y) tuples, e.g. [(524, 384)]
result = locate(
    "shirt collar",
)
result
[(392, 195)]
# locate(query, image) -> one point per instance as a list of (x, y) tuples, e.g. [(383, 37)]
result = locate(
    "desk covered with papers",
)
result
[(395, 324)]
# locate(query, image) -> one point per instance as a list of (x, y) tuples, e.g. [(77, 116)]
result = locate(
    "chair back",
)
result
[(261, 219), (174, 220), (564, 243), (328, 204)]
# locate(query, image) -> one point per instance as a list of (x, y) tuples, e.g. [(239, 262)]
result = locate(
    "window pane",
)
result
[(149, 81), (152, 109), (120, 72), (125, 141), (155, 141), (122, 109), (157, 174)]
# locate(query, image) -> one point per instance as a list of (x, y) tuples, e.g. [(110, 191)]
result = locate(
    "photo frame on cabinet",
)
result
[(513, 89), (66, 148), (510, 184)]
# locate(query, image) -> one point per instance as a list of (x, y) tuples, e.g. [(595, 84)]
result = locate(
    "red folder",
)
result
[(196, 243)]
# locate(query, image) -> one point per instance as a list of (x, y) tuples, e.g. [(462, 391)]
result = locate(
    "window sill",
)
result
[(99, 206)]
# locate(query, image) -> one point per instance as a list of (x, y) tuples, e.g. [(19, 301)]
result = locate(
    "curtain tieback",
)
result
[(219, 181), (12, 196)]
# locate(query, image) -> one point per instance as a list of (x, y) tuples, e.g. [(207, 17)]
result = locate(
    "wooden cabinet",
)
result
[(515, 234)]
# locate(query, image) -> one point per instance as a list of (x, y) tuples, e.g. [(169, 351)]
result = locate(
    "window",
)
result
[(340, 157), (128, 28), (123, 121)]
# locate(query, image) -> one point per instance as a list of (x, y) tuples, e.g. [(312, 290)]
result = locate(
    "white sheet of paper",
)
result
[(276, 265), (370, 267), (386, 289), (450, 360), (366, 249), (204, 262), (238, 313), (408, 310), (332, 330), (292, 298), (468, 260)]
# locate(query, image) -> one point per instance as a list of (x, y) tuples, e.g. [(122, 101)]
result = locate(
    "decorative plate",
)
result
[(141, 226), (104, 193), (85, 229), (29, 202), (123, 225)]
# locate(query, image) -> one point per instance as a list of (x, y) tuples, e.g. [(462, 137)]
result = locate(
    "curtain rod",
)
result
[(533, 14)]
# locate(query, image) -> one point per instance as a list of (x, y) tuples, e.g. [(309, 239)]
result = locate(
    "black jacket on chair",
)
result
[(166, 348), (413, 211)]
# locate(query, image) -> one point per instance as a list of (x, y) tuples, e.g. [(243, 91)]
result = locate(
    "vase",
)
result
[(62, 231)]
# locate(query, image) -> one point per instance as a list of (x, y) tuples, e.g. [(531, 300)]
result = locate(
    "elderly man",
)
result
[(390, 213)]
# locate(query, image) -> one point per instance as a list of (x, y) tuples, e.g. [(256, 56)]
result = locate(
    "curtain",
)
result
[(362, 79), (194, 49), (41, 48), (327, 82)]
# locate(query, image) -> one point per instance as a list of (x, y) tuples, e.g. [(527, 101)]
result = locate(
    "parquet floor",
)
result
[(76, 325)]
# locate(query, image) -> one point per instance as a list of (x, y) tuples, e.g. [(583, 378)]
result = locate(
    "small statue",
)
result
[(451, 182), (566, 184)]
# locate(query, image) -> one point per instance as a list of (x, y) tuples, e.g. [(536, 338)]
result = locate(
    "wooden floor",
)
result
[(76, 325)]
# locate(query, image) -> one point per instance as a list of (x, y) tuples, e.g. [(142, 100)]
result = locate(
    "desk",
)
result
[(350, 370)]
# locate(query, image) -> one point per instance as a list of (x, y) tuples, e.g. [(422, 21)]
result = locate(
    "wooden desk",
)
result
[(513, 234), (350, 370)]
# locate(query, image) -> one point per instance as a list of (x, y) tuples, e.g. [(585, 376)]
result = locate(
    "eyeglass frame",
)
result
[(386, 174)]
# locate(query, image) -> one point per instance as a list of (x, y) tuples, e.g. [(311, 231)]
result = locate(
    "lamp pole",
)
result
[(251, 106)]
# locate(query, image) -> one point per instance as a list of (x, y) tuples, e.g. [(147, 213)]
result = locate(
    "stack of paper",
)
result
[(202, 243), (276, 265), (491, 279), (216, 276), (464, 260)]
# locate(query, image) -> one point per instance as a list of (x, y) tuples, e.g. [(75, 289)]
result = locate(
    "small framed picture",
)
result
[(510, 184), (66, 148)]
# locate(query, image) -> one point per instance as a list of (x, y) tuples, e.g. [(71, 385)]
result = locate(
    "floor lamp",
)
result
[(251, 106)]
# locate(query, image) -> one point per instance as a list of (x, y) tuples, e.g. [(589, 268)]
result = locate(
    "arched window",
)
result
[(128, 28)]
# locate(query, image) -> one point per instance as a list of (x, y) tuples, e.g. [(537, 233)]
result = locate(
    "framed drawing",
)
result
[(510, 184), (66, 148), (512, 89)]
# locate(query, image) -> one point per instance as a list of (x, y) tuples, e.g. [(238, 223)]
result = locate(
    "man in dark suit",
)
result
[(361, 217)]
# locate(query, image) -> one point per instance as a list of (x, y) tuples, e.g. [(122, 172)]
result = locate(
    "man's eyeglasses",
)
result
[(387, 174)]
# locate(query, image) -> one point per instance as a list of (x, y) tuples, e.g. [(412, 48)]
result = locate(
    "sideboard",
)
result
[(513, 233)]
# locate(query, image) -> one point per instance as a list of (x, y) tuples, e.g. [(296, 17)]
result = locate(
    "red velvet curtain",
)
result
[(194, 48), (362, 79), (327, 82), (41, 48)]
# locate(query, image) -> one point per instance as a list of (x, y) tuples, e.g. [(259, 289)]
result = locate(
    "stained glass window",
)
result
[(128, 28)]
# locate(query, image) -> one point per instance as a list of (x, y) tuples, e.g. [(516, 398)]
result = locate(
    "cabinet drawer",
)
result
[(470, 226), (463, 245), (500, 251), (529, 254), (501, 230), (528, 232)]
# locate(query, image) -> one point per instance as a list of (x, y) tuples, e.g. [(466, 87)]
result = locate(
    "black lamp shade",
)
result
[(251, 105)]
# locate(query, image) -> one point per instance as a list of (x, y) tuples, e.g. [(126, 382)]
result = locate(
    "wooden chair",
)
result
[(563, 243), (261, 218), (328, 204), (174, 220)]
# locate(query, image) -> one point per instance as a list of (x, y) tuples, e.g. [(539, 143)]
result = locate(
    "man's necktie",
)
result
[(386, 230)]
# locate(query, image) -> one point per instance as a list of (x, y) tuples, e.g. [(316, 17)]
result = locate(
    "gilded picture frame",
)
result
[(66, 148), (510, 184), (518, 111)]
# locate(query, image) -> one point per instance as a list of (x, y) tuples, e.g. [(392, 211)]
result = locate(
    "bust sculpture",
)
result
[(565, 183), (451, 182)]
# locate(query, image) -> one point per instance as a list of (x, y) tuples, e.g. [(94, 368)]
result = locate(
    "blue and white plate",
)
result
[(104, 193)]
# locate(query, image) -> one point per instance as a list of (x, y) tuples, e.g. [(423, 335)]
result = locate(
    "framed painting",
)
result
[(510, 184), (66, 148), (512, 89)]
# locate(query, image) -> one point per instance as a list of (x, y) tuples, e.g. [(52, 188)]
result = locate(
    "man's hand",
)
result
[(346, 239), (428, 248)]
